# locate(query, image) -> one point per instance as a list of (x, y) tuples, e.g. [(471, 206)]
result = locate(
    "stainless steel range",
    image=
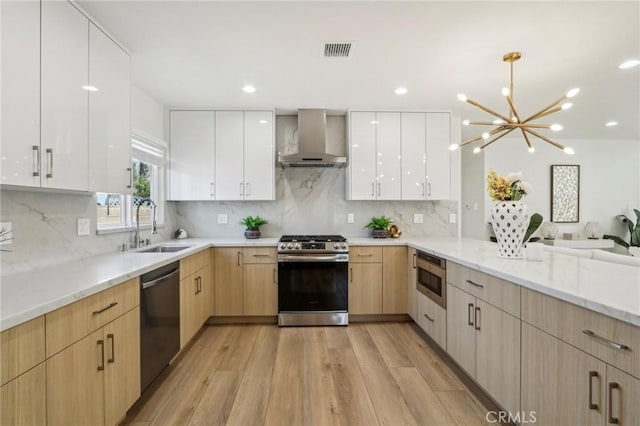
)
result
[(313, 286)]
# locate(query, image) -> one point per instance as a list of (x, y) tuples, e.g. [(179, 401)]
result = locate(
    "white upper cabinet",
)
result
[(65, 103), (229, 155), (259, 156), (388, 156), (20, 91), (362, 156), (222, 155), (438, 156), (399, 156), (414, 156), (109, 115), (191, 173)]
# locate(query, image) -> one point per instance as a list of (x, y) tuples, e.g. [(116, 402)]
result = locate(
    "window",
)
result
[(118, 211)]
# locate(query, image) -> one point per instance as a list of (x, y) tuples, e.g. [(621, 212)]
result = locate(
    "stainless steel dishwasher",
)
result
[(159, 321)]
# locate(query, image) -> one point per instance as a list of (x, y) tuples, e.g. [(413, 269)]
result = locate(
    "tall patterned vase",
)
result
[(510, 220)]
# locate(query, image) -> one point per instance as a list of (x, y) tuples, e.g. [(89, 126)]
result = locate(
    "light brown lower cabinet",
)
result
[(365, 288), (566, 386), (23, 400), (412, 292), (260, 289), (96, 380), (394, 280), (228, 281), (432, 318), (195, 303)]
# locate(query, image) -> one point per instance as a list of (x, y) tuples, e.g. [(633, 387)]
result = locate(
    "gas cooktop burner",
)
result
[(309, 238), (312, 244)]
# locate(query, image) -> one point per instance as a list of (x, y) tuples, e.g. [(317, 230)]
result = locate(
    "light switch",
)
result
[(452, 218), (418, 218), (350, 218), (83, 226), (223, 219)]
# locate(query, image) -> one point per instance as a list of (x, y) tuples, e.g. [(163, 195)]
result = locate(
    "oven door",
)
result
[(312, 283)]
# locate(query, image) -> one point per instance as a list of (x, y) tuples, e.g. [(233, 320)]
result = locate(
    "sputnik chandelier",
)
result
[(505, 125)]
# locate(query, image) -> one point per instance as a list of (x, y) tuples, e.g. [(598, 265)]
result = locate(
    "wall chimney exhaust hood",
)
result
[(312, 143)]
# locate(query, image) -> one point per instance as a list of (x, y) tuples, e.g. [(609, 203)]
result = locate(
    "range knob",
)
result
[(283, 246), (290, 245), (343, 245), (297, 246), (336, 246)]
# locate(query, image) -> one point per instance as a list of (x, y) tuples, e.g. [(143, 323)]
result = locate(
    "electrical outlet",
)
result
[(84, 226), (223, 219), (350, 218), (418, 218), (452, 218), (6, 233)]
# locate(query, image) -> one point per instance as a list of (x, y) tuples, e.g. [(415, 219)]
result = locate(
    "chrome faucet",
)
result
[(154, 229)]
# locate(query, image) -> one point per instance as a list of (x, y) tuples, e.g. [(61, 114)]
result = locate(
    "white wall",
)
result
[(472, 201), (609, 177)]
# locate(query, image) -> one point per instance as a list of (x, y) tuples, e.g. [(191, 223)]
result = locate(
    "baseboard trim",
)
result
[(267, 319), (379, 318)]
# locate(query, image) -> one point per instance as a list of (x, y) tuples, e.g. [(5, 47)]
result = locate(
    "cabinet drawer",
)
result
[(432, 319), (493, 290), (365, 254), (259, 255), (569, 322), (191, 264), (71, 323), (21, 348)]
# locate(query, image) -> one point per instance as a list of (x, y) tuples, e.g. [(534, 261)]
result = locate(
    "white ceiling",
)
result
[(200, 54)]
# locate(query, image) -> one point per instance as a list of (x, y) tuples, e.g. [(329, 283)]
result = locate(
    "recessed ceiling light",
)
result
[(249, 89), (263, 121), (629, 64), (611, 123), (401, 91), (90, 88)]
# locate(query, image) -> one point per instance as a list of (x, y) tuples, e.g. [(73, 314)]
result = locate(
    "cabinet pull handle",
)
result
[(414, 260), (111, 305), (49, 162), (423, 188), (373, 194), (113, 348), (274, 275), (477, 318), (36, 160), (130, 171), (592, 374), (469, 310), (429, 318), (351, 275), (195, 282), (247, 190), (429, 189), (101, 344), (365, 254), (379, 188), (239, 253), (613, 420), (212, 190), (475, 284), (605, 340), (260, 255)]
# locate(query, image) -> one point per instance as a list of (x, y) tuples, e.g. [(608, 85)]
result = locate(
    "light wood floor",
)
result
[(363, 374)]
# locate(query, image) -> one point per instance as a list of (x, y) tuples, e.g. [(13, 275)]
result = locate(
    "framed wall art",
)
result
[(565, 193)]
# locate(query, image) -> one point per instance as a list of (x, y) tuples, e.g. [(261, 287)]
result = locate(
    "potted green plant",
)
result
[(634, 234), (253, 225), (379, 226)]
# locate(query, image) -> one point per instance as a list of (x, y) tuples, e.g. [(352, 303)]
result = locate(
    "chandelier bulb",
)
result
[(571, 93), (485, 136), (453, 146), (477, 149), (556, 127), (532, 150), (462, 97), (465, 122), (498, 121), (568, 150), (514, 119), (505, 91), (566, 106)]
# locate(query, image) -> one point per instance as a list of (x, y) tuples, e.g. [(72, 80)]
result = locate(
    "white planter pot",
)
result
[(635, 251), (510, 220)]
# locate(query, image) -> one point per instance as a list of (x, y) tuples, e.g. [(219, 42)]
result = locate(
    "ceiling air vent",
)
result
[(337, 49)]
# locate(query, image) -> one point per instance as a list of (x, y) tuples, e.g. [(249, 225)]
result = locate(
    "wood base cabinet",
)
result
[(196, 294), (365, 288), (260, 289), (23, 400), (432, 318), (564, 385), (412, 292)]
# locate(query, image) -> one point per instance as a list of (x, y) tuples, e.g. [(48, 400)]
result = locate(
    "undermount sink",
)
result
[(163, 249)]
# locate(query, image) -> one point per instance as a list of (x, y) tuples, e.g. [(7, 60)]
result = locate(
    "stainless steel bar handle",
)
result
[(36, 160), (429, 318), (274, 275), (613, 420), (101, 344), (130, 170), (158, 280), (429, 189), (605, 340), (260, 255), (477, 318), (211, 191), (351, 275), (331, 258), (49, 162), (365, 254), (423, 189), (111, 305), (414, 260), (113, 349), (195, 282), (379, 188), (373, 194), (239, 254), (469, 311), (592, 374), (475, 284), (247, 187)]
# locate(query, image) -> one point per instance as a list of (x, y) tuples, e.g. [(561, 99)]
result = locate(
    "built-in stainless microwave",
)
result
[(432, 278)]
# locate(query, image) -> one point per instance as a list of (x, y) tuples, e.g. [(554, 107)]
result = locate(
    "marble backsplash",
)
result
[(45, 225)]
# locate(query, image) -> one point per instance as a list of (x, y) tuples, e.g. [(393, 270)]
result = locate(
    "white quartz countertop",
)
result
[(604, 287), (609, 288)]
